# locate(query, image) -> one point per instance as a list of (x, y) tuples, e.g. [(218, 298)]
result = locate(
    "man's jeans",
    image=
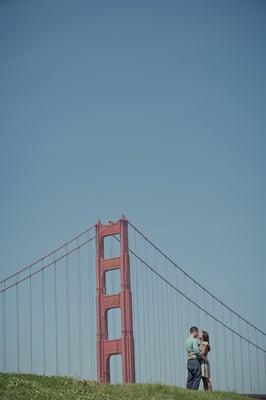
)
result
[(194, 374)]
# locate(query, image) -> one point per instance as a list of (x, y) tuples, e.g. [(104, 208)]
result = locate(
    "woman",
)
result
[(205, 366)]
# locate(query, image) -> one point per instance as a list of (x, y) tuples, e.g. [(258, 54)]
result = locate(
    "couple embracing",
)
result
[(198, 347)]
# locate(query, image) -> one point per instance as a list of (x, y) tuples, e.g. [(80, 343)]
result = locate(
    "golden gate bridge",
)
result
[(110, 306)]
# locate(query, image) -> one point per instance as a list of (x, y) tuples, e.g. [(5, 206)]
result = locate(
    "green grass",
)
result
[(30, 387)]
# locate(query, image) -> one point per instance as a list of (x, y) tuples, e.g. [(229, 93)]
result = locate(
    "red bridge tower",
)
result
[(123, 300)]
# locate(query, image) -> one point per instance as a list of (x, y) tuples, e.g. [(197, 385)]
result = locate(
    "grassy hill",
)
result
[(30, 387)]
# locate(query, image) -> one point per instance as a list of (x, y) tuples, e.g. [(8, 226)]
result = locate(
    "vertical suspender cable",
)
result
[(18, 355), (79, 312), (30, 323), (190, 312), (264, 336), (43, 320), (55, 314), (224, 346), (233, 353), (197, 313), (137, 273), (181, 362), (257, 360), (207, 319), (4, 328), (143, 335), (149, 326), (205, 307), (167, 324), (249, 360), (217, 358), (241, 358), (174, 370), (188, 305), (154, 364), (163, 324), (158, 317), (68, 314)]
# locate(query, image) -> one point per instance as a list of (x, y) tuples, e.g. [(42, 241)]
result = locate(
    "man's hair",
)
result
[(193, 329)]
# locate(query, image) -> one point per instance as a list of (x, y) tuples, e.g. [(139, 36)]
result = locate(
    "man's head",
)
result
[(194, 331)]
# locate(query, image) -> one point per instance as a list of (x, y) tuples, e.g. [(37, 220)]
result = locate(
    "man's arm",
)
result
[(195, 347)]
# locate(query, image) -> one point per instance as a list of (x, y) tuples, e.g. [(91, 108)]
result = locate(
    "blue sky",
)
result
[(152, 109)]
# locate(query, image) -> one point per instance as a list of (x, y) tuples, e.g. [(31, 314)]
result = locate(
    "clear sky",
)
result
[(149, 108)]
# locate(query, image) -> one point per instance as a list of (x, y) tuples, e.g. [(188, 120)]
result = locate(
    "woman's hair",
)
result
[(206, 338)]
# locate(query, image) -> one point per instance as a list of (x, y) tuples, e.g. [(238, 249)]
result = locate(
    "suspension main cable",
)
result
[(48, 255), (195, 304), (46, 266), (196, 282)]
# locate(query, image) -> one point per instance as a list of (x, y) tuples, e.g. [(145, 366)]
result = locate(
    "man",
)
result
[(193, 359)]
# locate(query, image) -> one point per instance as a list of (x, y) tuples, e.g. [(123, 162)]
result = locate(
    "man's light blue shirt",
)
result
[(192, 345)]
